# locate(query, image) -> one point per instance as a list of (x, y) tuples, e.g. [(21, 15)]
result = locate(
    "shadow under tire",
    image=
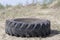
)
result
[(28, 27)]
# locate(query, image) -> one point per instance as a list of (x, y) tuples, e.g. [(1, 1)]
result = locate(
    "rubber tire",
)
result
[(30, 28)]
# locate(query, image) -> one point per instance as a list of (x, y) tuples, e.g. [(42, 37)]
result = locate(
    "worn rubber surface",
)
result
[(28, 27)]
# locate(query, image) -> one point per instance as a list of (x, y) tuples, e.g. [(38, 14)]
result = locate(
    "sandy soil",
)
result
[(55, 26)]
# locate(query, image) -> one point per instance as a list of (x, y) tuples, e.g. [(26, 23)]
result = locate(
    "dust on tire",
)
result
[(28, 27)]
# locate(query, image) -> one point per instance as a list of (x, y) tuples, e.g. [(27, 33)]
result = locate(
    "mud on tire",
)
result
[(28, 27)]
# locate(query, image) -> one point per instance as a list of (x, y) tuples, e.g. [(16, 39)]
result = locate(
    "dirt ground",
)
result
[(51, 14)]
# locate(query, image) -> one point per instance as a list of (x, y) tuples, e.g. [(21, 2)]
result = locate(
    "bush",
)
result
[(7, 6), (1, 6)]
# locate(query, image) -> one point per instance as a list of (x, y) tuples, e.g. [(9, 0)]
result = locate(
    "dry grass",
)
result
[(51, 14)]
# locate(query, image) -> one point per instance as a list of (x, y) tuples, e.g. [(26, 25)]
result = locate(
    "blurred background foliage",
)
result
[(44, 4)]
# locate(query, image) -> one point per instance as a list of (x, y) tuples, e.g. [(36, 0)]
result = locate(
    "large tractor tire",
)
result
[(28, 27)]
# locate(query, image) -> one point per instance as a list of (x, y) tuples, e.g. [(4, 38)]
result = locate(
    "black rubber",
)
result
[(28, 27)]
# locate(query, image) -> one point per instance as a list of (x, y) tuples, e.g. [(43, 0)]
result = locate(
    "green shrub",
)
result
[(1, 6), (7, 6)]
